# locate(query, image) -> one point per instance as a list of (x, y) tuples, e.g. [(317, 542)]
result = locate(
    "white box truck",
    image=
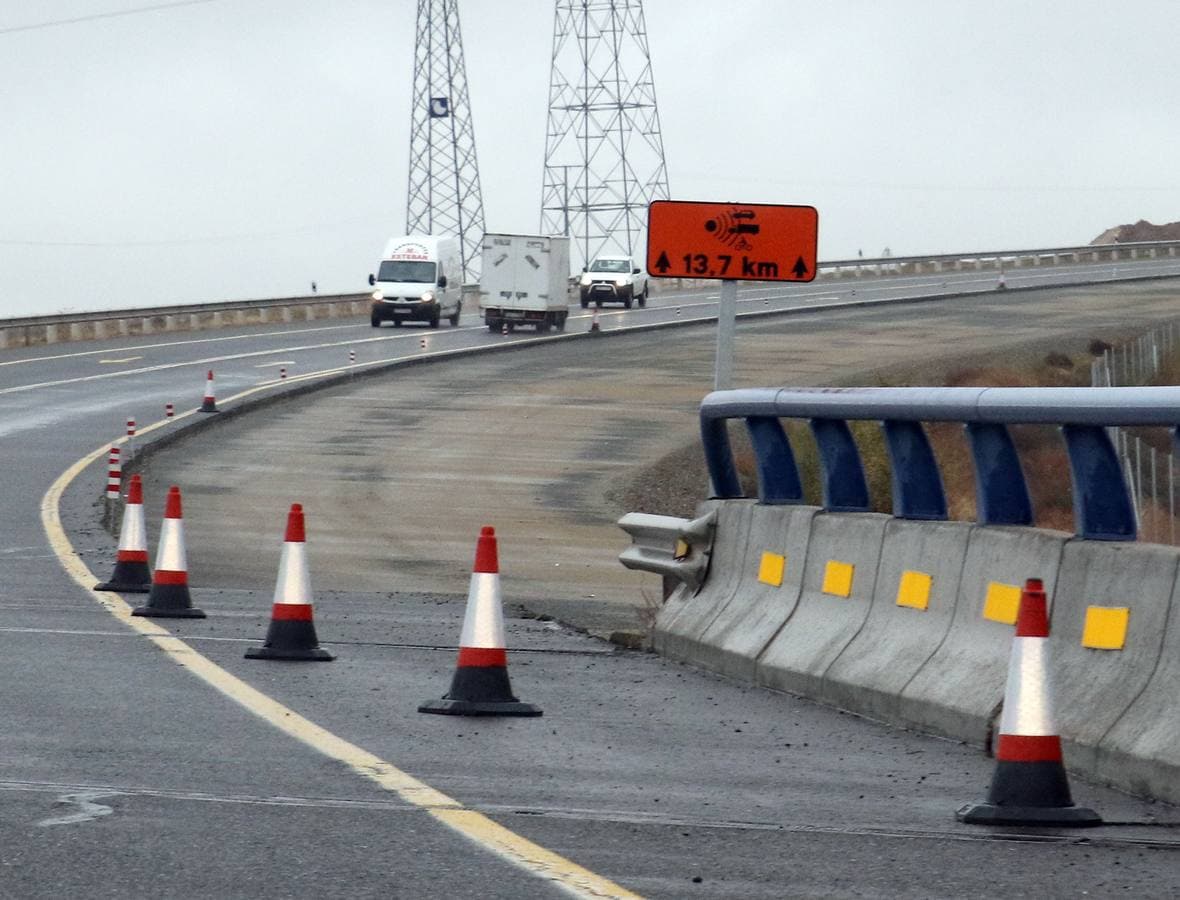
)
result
[(524, 281), (420, 279)]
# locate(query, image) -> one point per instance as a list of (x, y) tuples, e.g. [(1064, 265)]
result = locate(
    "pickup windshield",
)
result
[(406, 271), (611, 265)]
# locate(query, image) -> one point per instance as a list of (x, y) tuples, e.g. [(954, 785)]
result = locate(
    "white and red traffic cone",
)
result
[(114, 474), (504, 328), (209, 404), (292, 631), (169, 411), (480, 686), (594, 326), (1029, 786), (132, 574), (169, 597)]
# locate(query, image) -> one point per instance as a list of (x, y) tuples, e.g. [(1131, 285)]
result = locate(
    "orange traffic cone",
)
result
[(209, 404), (594, 320), (480, 686), (169, 597), (292, 632), (132, 573), (1029, 786)]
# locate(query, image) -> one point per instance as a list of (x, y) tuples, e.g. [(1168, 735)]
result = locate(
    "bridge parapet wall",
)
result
[(910, 617)]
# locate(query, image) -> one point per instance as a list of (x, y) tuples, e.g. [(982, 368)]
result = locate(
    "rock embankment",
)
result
[(1140, 231)]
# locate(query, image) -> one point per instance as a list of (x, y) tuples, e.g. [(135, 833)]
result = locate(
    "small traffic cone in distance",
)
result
[(1029, 786), (169, 597), (480, 686), (292, 632), (209, 404), (132, 573), (594, 320)]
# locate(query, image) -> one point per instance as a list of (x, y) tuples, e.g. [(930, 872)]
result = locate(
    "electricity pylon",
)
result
[(604, 155), (443, 196)]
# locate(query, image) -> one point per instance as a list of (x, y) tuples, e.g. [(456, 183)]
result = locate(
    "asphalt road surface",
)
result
[(161, 763)]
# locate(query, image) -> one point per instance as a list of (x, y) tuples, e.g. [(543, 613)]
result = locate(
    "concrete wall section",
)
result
[(771, 581), (838, 582), (685, 616), (1141, 752), (912, 610), (958, 692), (1107, 630)]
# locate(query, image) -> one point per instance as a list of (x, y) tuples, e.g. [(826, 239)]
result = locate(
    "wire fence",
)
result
[(1151, 474)]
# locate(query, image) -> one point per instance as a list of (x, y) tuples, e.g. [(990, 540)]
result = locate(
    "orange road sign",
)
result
[(739, 241)]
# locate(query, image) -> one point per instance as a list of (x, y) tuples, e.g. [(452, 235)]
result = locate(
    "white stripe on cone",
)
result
[(294, 582), (1028, 707), (133, 535), (170, 555), (483, 622)]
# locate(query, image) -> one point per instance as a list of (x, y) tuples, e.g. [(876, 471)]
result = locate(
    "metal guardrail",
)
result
[(1096, 252), (1103, 508), (675, 548)]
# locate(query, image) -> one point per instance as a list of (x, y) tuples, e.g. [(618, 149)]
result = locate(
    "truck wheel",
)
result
[(627, 303), (374, 320), (561, 321), (642, 299), (585, 302), (434, 321), (543, 325), (454, 320), (493, 326)]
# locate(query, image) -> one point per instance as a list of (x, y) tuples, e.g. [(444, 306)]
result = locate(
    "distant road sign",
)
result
[(739, 241)]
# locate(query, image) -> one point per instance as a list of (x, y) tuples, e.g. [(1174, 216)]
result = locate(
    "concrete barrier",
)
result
[(769, 587), (838, 581), (912, 610), (1107, 630), (958, 692), (685, 615)]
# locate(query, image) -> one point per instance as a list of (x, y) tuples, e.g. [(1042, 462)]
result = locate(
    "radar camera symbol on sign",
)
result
[(731, 227), (440, 107)]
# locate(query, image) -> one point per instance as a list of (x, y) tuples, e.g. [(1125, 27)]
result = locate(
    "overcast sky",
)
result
[(235, 149)]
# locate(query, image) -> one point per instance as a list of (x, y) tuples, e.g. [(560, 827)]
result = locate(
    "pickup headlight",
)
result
[(621, 280), (378, 296), (428, 297)]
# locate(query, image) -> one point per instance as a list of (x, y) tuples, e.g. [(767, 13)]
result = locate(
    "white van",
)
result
[(420, 279)]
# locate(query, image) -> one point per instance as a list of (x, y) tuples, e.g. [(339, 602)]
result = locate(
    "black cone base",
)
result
[(128, 578), (208, 406), (445, 707), (990, 814), (316, 654), (1028, 793), (290, 639), (480, 691), (169, 601)]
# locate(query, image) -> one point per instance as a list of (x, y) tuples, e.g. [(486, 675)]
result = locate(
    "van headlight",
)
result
[(428, 297), (585, 279), (378, 296)]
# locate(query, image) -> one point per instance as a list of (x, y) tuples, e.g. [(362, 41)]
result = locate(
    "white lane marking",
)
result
[(88, 810), (281, 362), (114, 362)]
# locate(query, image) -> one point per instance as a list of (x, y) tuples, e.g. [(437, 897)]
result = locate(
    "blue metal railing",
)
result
[(1102, 503)]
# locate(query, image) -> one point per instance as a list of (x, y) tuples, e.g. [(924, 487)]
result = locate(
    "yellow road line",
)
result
[(476, 827)]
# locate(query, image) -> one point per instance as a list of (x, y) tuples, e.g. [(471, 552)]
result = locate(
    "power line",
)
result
[(37, 26)]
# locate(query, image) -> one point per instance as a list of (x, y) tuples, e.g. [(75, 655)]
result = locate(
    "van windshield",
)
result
[(610, 265), (406, 271)]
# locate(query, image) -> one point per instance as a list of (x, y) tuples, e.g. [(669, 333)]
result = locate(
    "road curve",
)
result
[(650, 777)]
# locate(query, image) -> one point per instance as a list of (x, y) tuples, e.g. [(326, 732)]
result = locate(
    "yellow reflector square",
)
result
[(838, 578), (1106, 627), (1002, 602), (681, 551), (771, 569), (914, 590)]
